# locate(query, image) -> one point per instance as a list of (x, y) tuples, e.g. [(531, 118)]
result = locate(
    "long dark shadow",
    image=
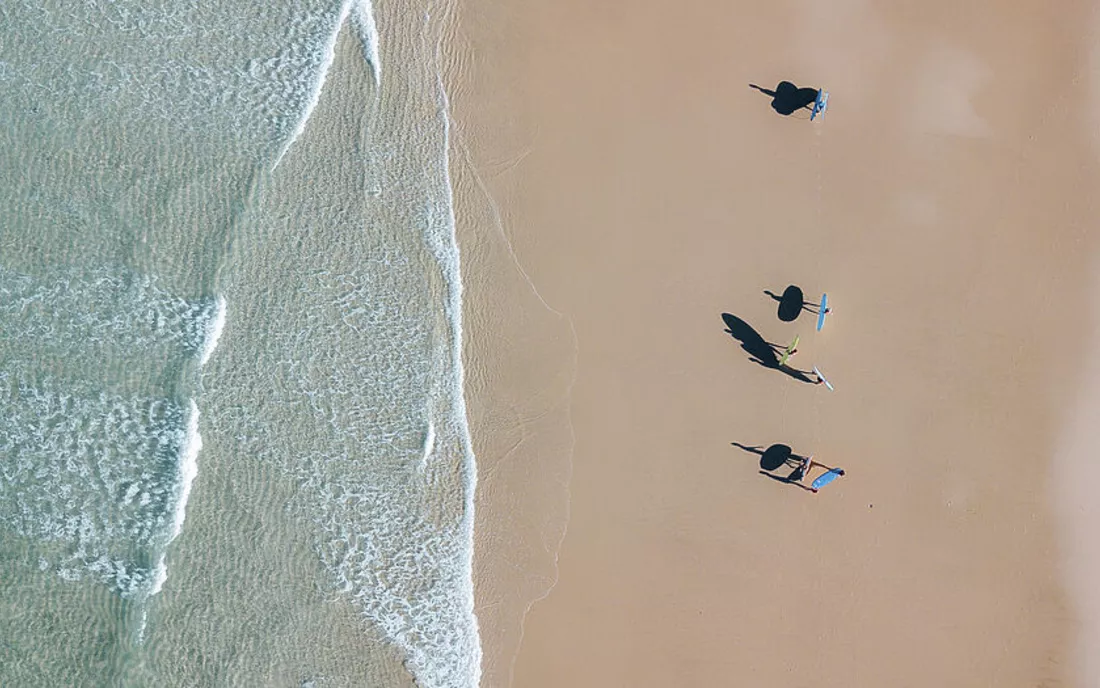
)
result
[(788, 98), (789, 480), (751, 341), (791, 303), (759, 350), (752, 450), (773, 457)]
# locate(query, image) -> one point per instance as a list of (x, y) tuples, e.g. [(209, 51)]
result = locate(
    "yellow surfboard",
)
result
[(790, 350)]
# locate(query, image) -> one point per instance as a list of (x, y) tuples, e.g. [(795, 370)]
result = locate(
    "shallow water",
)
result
[(233, 444)]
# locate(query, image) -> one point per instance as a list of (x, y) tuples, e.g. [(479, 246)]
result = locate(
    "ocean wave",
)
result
[(213, 331), (361, 398), (231, 73), (101, 311), (98, 472), (90, 473)]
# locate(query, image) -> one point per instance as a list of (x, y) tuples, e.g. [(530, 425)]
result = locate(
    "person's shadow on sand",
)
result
[(759, 350), (792, 303), (788, 98), (775, 457)]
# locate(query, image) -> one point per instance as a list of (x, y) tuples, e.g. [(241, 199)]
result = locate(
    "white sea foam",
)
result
[(429, 445), (99, 474), (445, 243), (213, 330), (188, 469), (91, 473), (393, 494), (372, 364), (160, 575), (363, 17), (328, 55), (412, 571), (216, 72), (102, 312)]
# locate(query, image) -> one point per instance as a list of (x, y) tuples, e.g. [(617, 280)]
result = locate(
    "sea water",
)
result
[(233, 444)]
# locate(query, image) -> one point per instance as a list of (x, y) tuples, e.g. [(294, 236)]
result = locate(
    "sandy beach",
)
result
[(620, 187)]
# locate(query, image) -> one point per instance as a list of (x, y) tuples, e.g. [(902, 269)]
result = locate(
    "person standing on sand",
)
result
[(803, 468), (821, 379), (807, 464)]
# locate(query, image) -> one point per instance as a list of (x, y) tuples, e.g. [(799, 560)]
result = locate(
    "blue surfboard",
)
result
[(820, 103), (826, 478), (821, 311)]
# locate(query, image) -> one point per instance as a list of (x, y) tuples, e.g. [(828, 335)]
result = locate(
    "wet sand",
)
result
[(646, 190)]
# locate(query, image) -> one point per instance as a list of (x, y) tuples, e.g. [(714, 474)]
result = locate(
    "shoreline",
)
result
[(519, 358), (941, 214)]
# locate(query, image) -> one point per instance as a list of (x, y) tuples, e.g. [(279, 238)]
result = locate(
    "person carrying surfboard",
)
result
[(791, 350), (821, 379), (802, 469), (822, 480), (820, 103), (822, 310)]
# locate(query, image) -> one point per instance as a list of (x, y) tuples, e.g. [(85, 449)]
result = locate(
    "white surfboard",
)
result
[(822, 378)]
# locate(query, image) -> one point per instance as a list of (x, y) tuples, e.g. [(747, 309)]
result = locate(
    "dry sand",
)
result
[(620, 187)]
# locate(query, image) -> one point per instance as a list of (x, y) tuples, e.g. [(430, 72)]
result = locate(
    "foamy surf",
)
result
[(90, 475), (188, 470), (358, 400), (363, 16), (103, 312), (213, 331), (98, 473), (363, 19), (445, 245), (188, 466), (369, 359)]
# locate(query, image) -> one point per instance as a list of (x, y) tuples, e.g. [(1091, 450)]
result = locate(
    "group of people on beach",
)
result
[(786, 100), (791, 304)]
